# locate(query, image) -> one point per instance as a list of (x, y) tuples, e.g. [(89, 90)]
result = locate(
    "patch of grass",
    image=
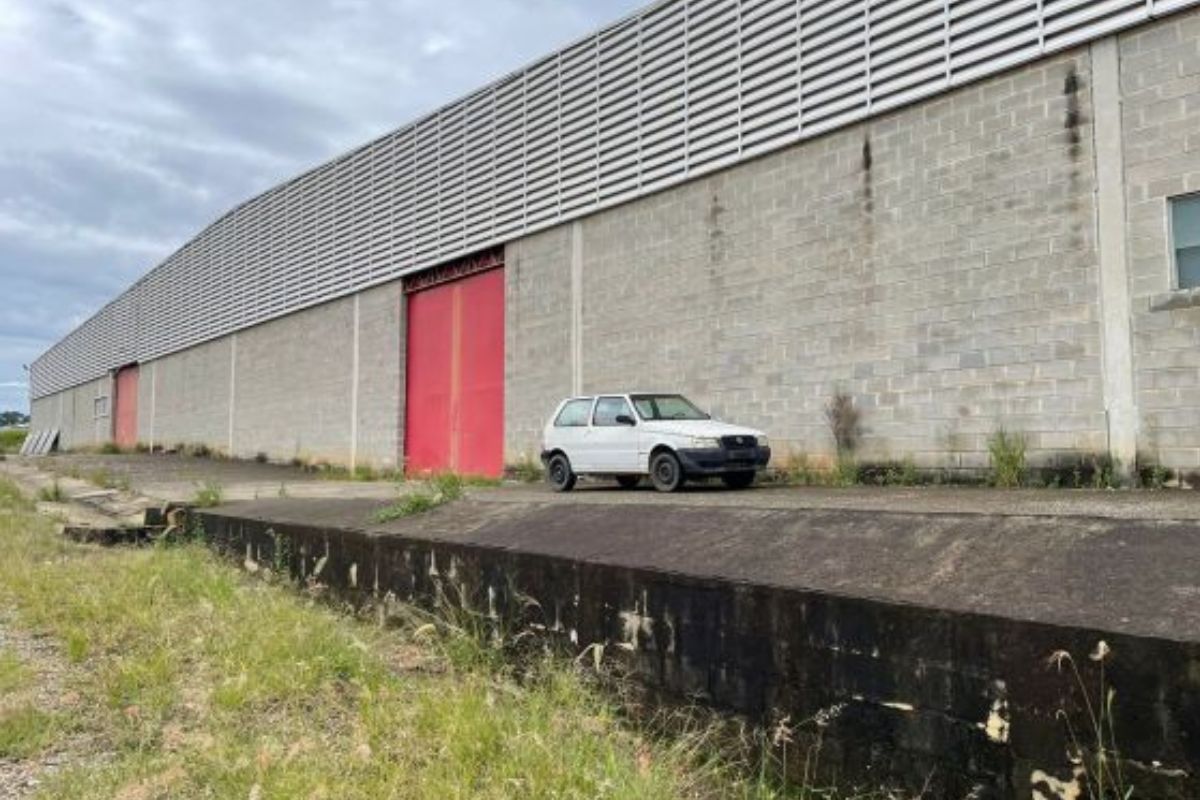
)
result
[(892, 473), (208, 494), (52, 494), (12, 439), (26, 731), (1154, 476), (526, 470), (107, 479), (799, 470), (438, 490), (205, 682), (197, 450), (14, 675), (110, 449), (1007, 452), (365, 473)]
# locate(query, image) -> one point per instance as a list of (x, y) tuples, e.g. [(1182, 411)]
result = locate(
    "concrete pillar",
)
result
[(354, 387), (577, 308), (1116, 328), (153, 401), (232, 389)]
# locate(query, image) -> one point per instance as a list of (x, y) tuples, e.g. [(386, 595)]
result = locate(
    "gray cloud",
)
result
[(131, 124)]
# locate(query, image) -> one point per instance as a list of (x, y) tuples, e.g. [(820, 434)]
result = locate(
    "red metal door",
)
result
[(125, 419), (454, 418)]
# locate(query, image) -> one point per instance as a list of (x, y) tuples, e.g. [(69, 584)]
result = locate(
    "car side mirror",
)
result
[(624, 419)]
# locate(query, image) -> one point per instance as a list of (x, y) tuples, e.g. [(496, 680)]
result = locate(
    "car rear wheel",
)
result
[(665, 472), (629, 481), (559, 473), (738, 480)]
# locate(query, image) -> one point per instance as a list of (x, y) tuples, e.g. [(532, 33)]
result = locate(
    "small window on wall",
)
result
[(1185, 240), (101, 407)]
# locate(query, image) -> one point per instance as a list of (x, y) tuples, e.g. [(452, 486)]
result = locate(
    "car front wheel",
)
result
[(665, 472), (559, 473), (738, 480)]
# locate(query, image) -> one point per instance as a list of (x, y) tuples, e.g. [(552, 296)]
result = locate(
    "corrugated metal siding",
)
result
[(678, 90)]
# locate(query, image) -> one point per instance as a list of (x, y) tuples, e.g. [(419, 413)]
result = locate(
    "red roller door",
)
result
[(125, 416), (455, 377)]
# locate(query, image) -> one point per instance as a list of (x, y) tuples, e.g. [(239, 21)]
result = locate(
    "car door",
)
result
[(570, 431), (613, 444)]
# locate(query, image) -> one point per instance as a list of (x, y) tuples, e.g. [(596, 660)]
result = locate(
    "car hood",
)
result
[(698, 427)]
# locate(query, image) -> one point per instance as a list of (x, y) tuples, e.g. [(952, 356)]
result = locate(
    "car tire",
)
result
[(559, 474), (666, 473), (629, 481), (738, 480)]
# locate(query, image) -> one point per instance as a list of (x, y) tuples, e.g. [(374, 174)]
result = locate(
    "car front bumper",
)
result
[(720, 461)]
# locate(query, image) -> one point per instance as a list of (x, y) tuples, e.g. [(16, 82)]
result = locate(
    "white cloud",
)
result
[(437, 43)]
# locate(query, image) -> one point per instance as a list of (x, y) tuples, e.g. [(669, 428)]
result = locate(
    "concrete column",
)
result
[(354, 388), (232, 388), (1116, 328), (577, 308), (153, 401)]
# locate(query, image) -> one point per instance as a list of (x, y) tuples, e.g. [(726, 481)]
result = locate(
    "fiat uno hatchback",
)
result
[(665, 436)]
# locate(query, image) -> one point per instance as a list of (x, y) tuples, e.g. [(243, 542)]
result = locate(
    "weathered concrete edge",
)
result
[(914, 689)]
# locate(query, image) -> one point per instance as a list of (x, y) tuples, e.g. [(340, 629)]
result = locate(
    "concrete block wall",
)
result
[(323, 384), (74, 413), (184, 398), (293, 385), (938, 263), (380, 402), (1160, 84), (537, 346)]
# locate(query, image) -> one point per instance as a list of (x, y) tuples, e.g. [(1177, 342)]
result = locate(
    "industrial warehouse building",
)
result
[(967, 214)]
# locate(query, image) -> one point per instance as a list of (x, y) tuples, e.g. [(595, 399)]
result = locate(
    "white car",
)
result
[(665, 436)]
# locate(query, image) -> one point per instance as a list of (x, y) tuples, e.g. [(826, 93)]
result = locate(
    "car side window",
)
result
[(574, 414), (608, 409)]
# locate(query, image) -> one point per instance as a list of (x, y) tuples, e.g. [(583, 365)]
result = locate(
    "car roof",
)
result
[(591, 395)]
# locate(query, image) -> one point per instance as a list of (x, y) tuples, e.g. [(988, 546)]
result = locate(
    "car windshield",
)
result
[(666, 406)]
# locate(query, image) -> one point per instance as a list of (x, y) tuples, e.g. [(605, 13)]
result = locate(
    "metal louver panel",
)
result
[(679, 89)]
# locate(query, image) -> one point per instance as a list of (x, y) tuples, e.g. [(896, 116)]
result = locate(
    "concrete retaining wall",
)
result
[(959, 703)]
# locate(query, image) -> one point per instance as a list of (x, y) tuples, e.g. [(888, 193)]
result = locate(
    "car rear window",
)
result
[(574, 414)]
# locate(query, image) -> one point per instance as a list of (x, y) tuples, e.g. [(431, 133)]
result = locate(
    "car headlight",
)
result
[(762, 441), (705, 443)]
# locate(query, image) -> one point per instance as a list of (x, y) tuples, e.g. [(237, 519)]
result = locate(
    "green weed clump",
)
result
[(438, 490), (208, 494), (527, 470), (1007, 451), (107, 479), (52, 494), (26, 731), (12, 439)]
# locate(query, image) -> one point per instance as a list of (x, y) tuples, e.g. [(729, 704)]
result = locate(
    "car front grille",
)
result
[(738, 442)]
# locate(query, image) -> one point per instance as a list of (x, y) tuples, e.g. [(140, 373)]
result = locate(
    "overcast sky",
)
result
[(128, 125)]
